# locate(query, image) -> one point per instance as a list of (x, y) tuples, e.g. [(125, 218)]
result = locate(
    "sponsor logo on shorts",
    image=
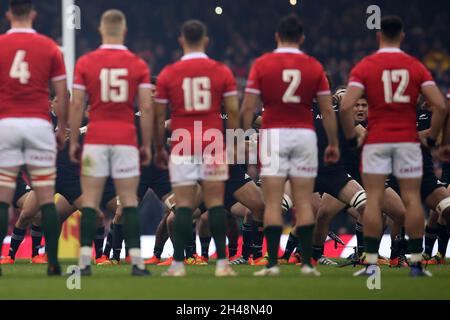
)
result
[(42, 158), (411, 169), (127, 170)]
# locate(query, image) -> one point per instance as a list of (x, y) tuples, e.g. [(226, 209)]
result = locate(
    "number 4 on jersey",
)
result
[(19, 69)]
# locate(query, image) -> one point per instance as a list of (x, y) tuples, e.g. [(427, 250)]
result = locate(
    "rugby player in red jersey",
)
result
[(28, 62), (287, 80), (113, 78), (196, 87), (392, 81)]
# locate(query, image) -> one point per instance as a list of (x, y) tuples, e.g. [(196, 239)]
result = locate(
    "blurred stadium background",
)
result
[(241, 30)]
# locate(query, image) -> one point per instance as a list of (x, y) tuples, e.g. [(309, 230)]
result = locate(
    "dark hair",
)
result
[(391, 27), (193, 31), (20, 8), (290, 28)]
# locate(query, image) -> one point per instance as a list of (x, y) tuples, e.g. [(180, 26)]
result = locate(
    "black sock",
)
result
[(247, 242), (190, 249), (232, 249), (273, 234), (131, 228), (51, 227), (98, 243), (157, 251), (430, 239), (4, 221), (117, 240), (305, 235), (87, 226), (258, 238), (317, 252), (108, 245), (217, 225), (359, 238), (16, 239), (36, 239), (291, 244), (443, 238), (371, 245), (415, 245), (205, 241), (182, 232)]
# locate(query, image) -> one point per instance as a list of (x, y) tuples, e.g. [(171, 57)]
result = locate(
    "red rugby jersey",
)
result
[(111, 76), (392, 81), (287, 81), (28, 61), (195, 88)]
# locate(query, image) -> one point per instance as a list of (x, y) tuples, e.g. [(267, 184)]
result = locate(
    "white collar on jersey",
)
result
[(288, 50), (194, 55), (389, 50), (21, 30), (113, 47)]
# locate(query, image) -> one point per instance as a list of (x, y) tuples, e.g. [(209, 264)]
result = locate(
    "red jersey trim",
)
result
[(356, 84), (79, 87), (231, 93), (324, 93), (254, 91), (428, 83), (59, 78)]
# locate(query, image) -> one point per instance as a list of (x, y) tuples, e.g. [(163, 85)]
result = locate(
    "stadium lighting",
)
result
[(293, 2), (219, 10)]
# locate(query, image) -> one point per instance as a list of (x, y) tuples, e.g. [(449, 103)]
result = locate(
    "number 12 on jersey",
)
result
[(393, 76)]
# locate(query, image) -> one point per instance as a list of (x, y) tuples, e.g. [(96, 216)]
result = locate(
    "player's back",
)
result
[(287, 80), (392, 81), (28, 61), (111, 76), (195, 87)]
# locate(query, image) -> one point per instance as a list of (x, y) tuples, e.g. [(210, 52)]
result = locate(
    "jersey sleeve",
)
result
[(162, 87), (230, 83), (58, 71), (253, 82), (426, 79), (357, 76), (145, 76), (79, 80)]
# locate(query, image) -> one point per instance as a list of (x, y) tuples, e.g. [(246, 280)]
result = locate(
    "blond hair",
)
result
[(113, 23)]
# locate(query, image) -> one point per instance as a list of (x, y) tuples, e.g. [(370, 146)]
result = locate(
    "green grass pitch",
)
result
[(26, 281)]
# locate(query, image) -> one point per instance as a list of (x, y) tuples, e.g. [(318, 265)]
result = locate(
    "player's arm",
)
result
[(330, 125), (61, 110), (231, 104), (76, 112), (440, 112), (160, 134), (346, 113), (147, 119), (248, 110)]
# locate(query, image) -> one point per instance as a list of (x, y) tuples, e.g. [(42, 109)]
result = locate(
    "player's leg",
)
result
[(328, 209), (232, 235), (439, 202), (205, 236)]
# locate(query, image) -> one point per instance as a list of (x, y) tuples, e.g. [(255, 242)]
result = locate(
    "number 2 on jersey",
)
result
[(114, 89), (393, 76), (197, 93), (19, 69), (293, 77)]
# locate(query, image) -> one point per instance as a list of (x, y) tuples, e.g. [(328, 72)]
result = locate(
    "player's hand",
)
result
[(444, 153), (60, 138), (332, 154), (145, 154), (162, 159), (75, 152)]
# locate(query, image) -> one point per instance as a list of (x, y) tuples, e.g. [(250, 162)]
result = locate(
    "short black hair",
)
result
[(20, 8), (193, 31), (391, 27), (290, 28)]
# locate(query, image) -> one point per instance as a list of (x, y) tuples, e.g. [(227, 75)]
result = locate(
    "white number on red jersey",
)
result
[(197, 93), (293, 77), (19, 69), (394, 76), (114, 89)]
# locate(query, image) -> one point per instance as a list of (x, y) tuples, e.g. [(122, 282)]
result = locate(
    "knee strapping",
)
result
[(359, 199), (443, 205)]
